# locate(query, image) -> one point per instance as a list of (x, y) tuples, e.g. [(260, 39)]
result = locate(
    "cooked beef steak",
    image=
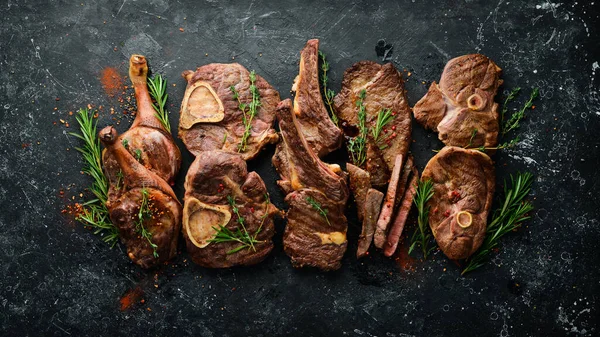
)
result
[(210, 117), (463, 185), (311, 238), (371, 211), (407, 194), (360, 183), (214, 180), (385, 217), (462, 102), (384, 90), (142, 201), (321, 134), (143, 161)]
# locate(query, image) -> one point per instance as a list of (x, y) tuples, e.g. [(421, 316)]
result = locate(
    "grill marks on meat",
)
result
[(149, 163), (321, 134), (210, 118), (462, 102), (384, 88), (310, 239), (463, 183), (212, 178)]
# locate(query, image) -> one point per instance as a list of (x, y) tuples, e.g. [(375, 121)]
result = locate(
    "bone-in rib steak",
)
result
[(316, 194)]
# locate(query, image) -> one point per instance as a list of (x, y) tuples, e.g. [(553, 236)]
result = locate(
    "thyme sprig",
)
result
[(316, 205), (158, 92), (242, 236), (94, 212), (510, 216), (422, 234), (248, 110), (514, 121), (328, 94), (511, 96), (144, 214), (384, 116), (357, 145)]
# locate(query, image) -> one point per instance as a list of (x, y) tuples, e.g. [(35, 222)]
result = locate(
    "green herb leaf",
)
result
[(357, 145), (158, 92), (242, 236), (328, 94), (514, 121), (94, 213), (422, 234), (249, 111), (144, 214), (384, 116), (319, 209), (505, 219)]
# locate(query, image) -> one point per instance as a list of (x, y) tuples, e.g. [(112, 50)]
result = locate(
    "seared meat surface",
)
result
[(210, 117), (139, 165), (462, 102), (384, 88), (463, 185), (217, 182), (321, 134), (141, 201), (316, 194)]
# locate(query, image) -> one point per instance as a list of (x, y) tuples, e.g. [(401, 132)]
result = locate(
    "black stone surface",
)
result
[(58, 279)]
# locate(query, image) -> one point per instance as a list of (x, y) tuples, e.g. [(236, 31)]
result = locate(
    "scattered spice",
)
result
[(111, 81)]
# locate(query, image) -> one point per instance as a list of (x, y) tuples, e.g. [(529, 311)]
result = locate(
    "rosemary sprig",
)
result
[(319, 209), (357, 145), (246, 240), (95, 215), (328, 94), (514, 121), (158, 91), (505, 219), (384, 116), (422, 235), (94, 212), (248, 110), (143, 214)]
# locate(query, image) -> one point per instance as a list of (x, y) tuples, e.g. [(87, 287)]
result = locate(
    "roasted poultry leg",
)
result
[(140, 165)]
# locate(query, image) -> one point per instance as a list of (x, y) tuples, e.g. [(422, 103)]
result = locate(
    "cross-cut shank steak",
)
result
[(316, 194), (139, 165), (463, 185), (384, 89), (462, 102), (210, 117), (321, 134), (216, 182)]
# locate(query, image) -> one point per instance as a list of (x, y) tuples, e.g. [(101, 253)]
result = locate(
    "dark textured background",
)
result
[(59, 279)]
